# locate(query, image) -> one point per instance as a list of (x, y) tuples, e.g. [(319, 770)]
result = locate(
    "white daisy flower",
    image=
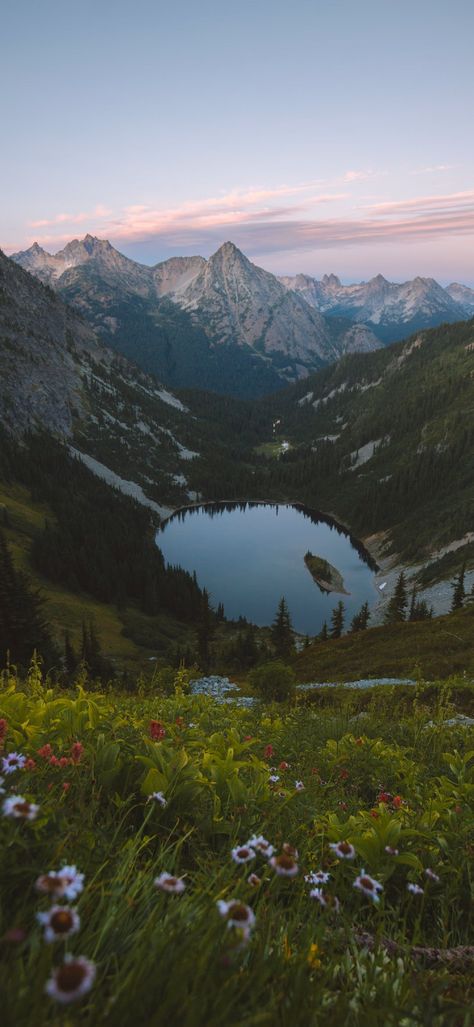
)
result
[(59, 923), (299, 786), (290, 850), (343, 849), (254, 880), (261, 845), (325, 900), (50, 884), (414, 888), (318, 877), (391, 851), (368, 885), (243, 854), (18, 807), (237, 914), (72, 980), (73, 882), (169, 883), (158, 797), (284, 865), (431, 874), (274, 778), (13, 761)]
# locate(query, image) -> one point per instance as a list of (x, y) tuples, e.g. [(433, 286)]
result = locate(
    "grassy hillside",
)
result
[(66, 610), (434, 648)]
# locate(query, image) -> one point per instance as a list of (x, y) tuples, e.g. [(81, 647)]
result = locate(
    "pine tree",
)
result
[(361, 619), (23, 627), (323, 634), (70, 656), (397, 605), (459, 590), (337, 620), (282, 630), (205, 631)]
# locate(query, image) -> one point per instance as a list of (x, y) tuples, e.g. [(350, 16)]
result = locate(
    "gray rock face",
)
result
[(388, 309), (58, 376), (232, 300)]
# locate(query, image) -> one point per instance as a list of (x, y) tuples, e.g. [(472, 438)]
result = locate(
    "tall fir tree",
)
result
[(397, 604), (361, 619), (282, 630), (459, 590), (23, 624), (337, 620)]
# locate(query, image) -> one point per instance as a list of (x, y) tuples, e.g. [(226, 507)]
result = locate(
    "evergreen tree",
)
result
[(220, 615), (282, 630), (361, 619), (323, 634), (205, 631), (337, 620), (459, 590), (23, 627), (397, 605), (70, 656)]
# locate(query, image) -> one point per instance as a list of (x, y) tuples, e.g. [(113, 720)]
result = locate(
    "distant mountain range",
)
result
[(226, 324)]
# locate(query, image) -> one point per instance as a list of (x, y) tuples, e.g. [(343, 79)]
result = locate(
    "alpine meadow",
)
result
[(237, 515)]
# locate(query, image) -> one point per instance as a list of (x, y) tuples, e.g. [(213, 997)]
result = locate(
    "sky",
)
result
[(331, 136)]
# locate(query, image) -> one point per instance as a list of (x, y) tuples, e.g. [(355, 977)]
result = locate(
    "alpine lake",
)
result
[(249, 555)]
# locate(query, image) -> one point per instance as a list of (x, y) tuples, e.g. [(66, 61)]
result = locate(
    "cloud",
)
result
[(72, 219), (433, 168), (445, 201)]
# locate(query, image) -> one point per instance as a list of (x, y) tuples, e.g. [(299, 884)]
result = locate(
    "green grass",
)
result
[(164, 958), (433, 648)]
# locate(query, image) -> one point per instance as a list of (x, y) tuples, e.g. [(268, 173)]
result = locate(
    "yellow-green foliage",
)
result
[(129, 788)]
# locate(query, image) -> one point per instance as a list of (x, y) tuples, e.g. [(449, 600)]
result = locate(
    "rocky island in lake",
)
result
[(327, 577)]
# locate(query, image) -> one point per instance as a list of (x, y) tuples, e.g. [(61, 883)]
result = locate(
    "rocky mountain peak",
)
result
[(332, 281)]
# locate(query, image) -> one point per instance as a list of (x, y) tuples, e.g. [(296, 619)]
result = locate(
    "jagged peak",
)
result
[(331, 279)]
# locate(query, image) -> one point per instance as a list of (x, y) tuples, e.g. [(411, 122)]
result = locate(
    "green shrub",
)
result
[(273, 681)]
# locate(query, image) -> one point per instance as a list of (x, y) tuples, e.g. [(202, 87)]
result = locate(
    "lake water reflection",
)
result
[(248, 555)]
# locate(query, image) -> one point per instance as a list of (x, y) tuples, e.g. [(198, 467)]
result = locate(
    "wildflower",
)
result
[(73, 979), (431, 874), (14, 761), (284, 865), (374, 814), (260, 844), (299, 786), (66, 786), (391, 851), (325, 900), (157, 797), (30, 764), (157, 731), (397, 801), (343, 774), (343, 849), (384, 797), (168, 883), (19, 808), (254, 880), (320, 877), (290, 850), (237, 914), (283, 765), (53, 761), (59, 923), (368, 885), (414, 888), (50, 884), (46, 751), (77, 750), (73, 882), (268, 751), (344, 806), (274, 778), (313, 959), (243, 854), (64, 761)]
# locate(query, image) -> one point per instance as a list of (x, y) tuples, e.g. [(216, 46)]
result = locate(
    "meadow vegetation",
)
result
[(292, 863)]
